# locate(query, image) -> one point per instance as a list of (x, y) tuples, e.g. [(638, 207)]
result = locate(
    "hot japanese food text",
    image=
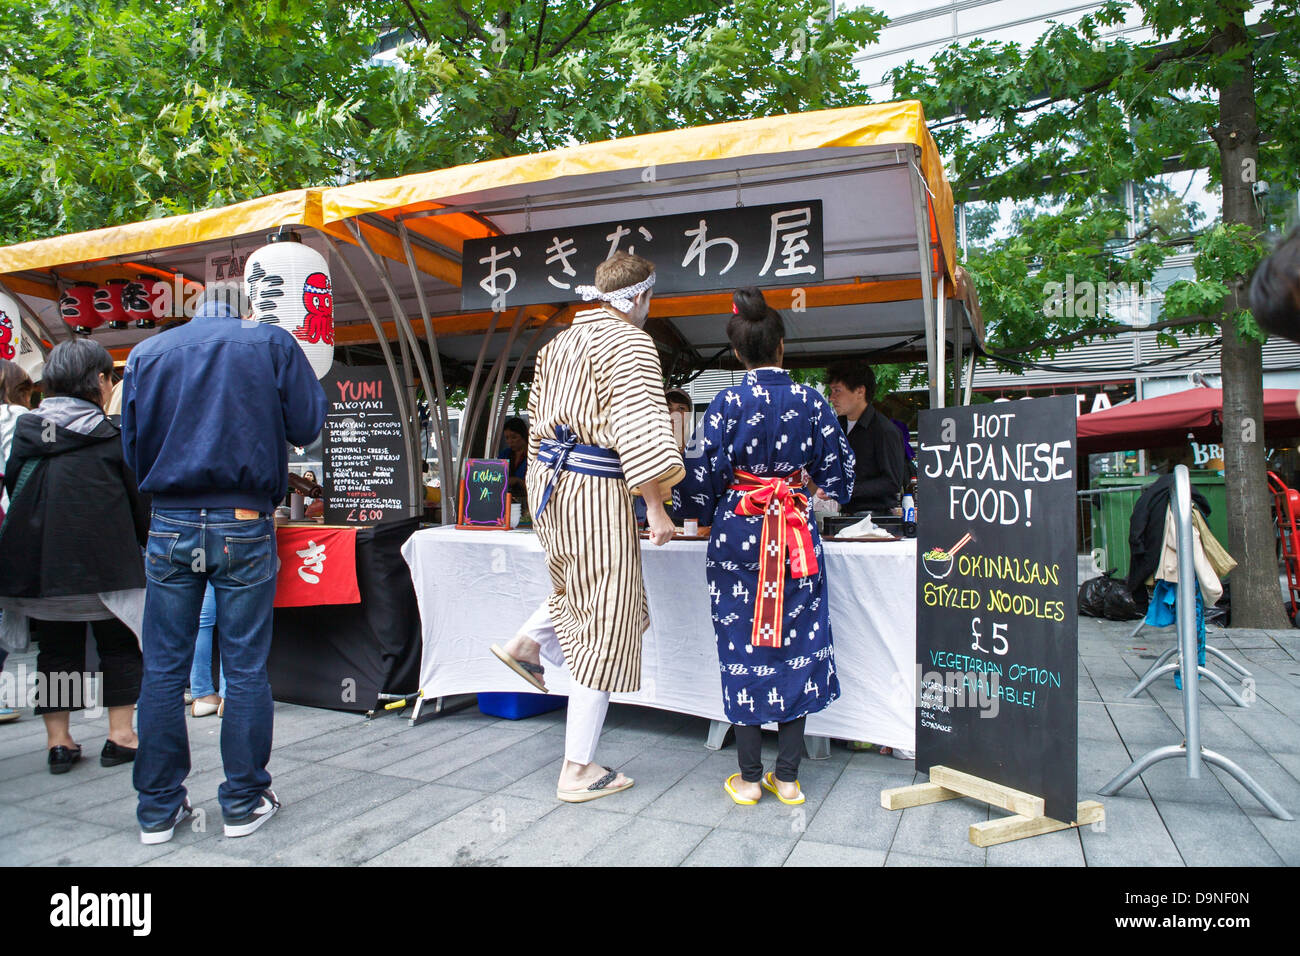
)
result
[(778, 244), (997, 630)]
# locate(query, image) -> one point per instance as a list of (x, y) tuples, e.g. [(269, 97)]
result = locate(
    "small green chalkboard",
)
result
[(484, 500)]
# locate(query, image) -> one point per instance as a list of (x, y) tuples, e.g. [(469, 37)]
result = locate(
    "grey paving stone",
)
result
[(1283, 836), (300, 819), (47, 839), (1133, 833), (642, 841), (734, 848), (941, 830), (120, 848), (1271, 732), (897, 858), (649, 728), (505, 767), (1290, 762), (810, 853), (342, 739), (690, 735), (433, 763), (371, 833), (198, 856), (851, 814), (1211, 835), (561, 838), (698, 796), (413, 741), (18, 818), (1144, 724), (470, 837)]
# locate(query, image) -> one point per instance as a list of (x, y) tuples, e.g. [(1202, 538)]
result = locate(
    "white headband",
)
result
[(620, 299)]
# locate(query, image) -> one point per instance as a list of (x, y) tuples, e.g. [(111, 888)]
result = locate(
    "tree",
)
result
[(118, 110), (1081, 114)]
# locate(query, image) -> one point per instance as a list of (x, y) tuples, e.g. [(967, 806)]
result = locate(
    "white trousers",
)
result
[(587, 707)]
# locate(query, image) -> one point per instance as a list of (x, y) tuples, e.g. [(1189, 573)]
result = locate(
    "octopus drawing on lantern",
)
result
[(318, 323), (7, 350)]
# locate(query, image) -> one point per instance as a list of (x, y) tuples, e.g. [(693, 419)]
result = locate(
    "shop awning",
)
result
[(1169, 420)]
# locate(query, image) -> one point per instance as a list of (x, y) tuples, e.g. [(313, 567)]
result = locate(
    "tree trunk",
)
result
[(1256, 593)]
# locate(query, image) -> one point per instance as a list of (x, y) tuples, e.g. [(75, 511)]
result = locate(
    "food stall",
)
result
[(843, 217), (453, 279)]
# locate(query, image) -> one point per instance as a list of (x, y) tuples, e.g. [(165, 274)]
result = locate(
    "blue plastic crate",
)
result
[(519, 706)]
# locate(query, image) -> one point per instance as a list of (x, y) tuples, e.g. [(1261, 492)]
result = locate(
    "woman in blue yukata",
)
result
[(758, 445)]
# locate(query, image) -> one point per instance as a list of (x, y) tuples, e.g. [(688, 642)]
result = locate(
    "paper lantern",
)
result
[(11, 329), (138, 298), (77, 307), (288, 284), (108, 303)]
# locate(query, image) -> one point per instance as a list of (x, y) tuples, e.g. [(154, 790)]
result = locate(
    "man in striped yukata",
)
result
[(600, 435)]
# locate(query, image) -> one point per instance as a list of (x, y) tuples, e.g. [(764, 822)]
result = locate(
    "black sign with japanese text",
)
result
[(366, 480), (997, 627), (779, 244)]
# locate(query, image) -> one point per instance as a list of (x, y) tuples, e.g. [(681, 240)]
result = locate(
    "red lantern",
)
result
[(108, 303), (138, 297), (77, 307)]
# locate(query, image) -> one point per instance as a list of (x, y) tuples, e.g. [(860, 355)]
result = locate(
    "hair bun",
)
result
[(750, 303)]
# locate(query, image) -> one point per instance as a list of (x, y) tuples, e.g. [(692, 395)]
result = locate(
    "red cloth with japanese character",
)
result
[(317, 566)]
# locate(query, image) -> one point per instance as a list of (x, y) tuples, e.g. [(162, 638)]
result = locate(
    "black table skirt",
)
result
[(341, 656)]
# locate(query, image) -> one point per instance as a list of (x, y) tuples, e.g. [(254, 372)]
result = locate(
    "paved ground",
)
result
[(471, 790)]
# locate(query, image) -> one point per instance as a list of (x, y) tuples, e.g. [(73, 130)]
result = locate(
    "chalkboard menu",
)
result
[(484, 500), (366, 479), (997, 629)]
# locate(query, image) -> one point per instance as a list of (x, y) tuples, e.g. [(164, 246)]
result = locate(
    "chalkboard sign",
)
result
[(997, 630), (484, 500), (364, 455), (776, 244)]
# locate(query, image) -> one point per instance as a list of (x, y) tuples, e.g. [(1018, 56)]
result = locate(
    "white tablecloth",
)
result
[(478, 587)]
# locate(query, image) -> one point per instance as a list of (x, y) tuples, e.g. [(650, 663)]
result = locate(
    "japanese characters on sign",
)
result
[(777, 244)]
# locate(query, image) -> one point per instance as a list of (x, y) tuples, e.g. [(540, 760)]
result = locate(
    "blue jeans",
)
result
[(201, 672), (187, 549)]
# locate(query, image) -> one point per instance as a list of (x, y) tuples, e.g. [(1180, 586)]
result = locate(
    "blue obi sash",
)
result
[(565, 453)]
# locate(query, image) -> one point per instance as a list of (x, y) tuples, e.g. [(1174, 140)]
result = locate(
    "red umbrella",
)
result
[(1167, 420)]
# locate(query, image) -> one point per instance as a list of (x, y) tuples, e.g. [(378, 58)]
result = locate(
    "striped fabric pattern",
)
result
[(601, 378)]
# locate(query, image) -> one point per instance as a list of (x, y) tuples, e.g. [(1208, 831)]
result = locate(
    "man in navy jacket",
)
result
[(207, 410)]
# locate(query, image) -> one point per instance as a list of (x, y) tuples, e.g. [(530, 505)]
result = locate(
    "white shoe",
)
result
[(249, 822), (162, 833), (204, 708)]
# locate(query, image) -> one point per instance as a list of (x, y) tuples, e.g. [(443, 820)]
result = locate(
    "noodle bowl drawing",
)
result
[(938, 562)]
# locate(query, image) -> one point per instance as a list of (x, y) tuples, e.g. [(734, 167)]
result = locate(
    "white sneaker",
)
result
[(162, 832), (249, 822)]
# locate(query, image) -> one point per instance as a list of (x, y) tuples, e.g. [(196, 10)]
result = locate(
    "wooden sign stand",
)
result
[(948, 784)]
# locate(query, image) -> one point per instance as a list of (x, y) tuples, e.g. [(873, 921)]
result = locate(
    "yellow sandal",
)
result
[(769, 784), (735, 796)]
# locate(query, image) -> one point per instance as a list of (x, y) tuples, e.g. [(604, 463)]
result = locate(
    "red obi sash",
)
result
[(785, 530)]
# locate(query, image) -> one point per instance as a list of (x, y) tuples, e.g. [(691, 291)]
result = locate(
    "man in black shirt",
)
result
[(876, 441)]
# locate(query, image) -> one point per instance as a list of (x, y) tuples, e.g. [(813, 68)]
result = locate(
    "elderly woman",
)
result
[(70, 552)]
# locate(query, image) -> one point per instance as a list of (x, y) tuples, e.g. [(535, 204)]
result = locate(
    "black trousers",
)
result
[(61, 664), (749, 751)]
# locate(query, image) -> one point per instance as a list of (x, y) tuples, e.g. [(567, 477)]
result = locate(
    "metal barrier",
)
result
[(1185, 607)]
